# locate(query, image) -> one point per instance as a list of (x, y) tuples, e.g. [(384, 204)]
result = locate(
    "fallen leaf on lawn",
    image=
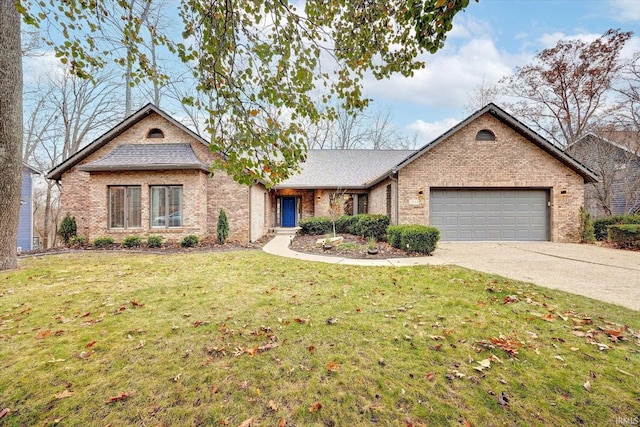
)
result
[(252, 351), (315, 407), (5, 412), (625, 372), (273, 406), (214, 390), (86, 354), (466, 423), (563, 317), (121, 396), (579, 333), (431, 376), (587, 386), (503, 400), (56, 360), (436, 337), (483, 364), (43, 334), (559, 358), (65, 393), (140, 345), (247, 423), (549, 318), (311, 349), (87, 314), (333, 366), (90, 344), (511, 299), (282, 423), (136, 303)]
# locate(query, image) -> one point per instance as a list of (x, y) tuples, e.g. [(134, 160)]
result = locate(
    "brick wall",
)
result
[(84, 194), (510, 161)]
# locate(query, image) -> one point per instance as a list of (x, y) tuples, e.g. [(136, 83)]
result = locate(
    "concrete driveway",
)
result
[(605, 274)]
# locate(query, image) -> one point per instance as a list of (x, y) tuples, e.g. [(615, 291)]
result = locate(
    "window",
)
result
[(166, 206), (124, 207), (485, 135), (155, 133)]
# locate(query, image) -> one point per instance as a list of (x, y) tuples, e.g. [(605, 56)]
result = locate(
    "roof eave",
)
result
[(153, 167)]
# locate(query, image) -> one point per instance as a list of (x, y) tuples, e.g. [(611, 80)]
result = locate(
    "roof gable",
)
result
[(518, 127), (624, 140), (119, 129)]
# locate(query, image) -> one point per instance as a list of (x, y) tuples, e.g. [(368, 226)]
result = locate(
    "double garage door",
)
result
[(467, 215)]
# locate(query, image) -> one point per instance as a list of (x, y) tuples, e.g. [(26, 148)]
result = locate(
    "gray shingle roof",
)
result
[(344, 168), (147, 157)]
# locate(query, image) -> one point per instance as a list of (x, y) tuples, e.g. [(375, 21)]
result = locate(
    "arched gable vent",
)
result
[(485, 135), (155, 133)]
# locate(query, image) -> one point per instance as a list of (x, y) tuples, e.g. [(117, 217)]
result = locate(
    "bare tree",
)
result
[(563, 92), (68, 112), (481, 96)]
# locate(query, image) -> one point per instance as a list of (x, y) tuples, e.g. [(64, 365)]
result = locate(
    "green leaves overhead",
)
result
[(265, 69)]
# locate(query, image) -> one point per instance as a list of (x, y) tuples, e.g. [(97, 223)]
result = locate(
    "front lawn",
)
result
[(244, 338)]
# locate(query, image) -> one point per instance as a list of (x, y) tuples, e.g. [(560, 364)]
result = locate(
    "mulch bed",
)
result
[(307, 244), (166, 248)]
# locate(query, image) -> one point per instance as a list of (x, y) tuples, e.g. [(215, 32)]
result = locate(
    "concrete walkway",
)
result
[(605, 274)]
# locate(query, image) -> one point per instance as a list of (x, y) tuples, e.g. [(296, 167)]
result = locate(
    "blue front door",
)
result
[(288, 211)]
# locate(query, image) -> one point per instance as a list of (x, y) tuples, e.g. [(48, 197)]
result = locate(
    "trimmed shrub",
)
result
[(600, 225), (316, 225), (154, 241), (394, 235), (587, 230), (222, 227), (369, 225), (189, 241), (345, 222), (102, 242), (68, 228), (132, 242), (414, 238), (625, 235), (78, 241)]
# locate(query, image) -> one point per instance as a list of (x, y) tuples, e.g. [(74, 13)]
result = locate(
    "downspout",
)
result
[(397, 210)]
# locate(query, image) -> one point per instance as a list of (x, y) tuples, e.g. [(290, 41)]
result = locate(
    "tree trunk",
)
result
[(10, 132)]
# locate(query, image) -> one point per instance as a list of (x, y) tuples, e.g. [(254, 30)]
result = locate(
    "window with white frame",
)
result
[(166, 206), (125, 207)]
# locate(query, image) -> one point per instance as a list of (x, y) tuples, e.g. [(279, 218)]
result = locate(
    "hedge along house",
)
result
[(488, 178), (150, 175)]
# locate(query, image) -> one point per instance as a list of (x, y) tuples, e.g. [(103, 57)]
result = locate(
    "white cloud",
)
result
[(40, 65), (448, 78), (625, 10), (428, 131)]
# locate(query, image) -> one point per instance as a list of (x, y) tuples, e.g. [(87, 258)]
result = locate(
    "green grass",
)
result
[(217, 339)]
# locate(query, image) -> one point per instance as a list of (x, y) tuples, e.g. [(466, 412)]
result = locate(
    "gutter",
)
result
[(397, 209)]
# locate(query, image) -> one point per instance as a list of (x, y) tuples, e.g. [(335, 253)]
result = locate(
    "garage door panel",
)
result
[(490, 214)]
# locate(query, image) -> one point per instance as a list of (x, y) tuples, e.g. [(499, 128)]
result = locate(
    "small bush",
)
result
[(587, 230), (369, 225), (625, 235), (189, 241), (68, 228), (132, 242), (154, 241), (600, 225), (414, 238), (222, 227), (394, 235), (102, 242), (78, 241), (345, 222), (316, 225)]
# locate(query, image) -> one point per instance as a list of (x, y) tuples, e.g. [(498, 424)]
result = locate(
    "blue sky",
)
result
[(488, 40)]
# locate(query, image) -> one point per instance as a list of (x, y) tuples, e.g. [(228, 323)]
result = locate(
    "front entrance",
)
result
[(288, 211)]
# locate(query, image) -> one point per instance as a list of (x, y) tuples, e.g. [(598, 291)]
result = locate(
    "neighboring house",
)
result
[(25, 223), (488, 178), (615, 157)]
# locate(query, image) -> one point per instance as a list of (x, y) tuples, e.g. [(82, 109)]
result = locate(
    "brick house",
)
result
[(488, 178), (150, 175), (615, 157)]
